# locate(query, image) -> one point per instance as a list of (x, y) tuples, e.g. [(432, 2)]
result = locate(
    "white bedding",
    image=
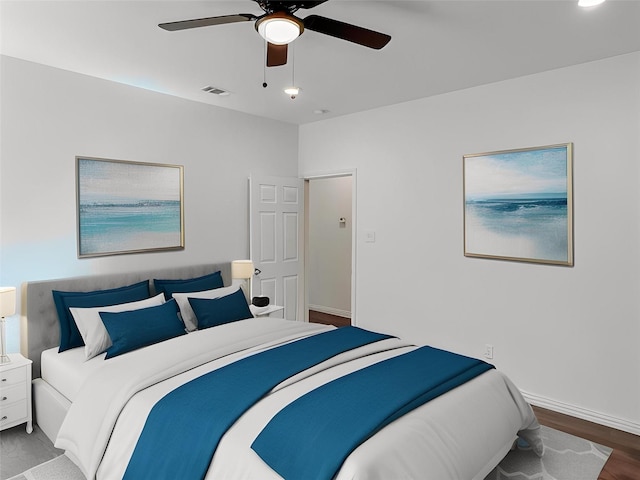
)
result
[(447, 438), (67, 371), (443, 439)]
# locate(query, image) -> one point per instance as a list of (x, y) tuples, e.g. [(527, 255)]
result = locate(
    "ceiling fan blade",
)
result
[(276, 55), (346, 31), (205, 22)]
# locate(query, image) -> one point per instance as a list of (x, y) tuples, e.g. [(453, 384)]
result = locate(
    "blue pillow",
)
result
[(217, 311), (69, 334), (199, 284), (138, 328)]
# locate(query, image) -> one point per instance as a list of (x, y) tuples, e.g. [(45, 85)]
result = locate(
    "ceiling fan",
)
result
[(279, 27)]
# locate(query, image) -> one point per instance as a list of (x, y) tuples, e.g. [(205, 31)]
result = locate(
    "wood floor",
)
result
[(327, 319), (624, 462)]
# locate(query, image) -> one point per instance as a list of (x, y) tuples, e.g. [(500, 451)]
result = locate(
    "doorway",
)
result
[(330, 248)]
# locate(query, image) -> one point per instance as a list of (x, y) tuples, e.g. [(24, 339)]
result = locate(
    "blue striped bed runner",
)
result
[(312, 436), (183, 428)]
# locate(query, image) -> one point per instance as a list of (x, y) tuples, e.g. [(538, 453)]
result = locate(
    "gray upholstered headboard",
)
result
[(40, 329)]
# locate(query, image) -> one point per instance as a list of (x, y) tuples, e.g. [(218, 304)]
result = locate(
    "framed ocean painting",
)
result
[(128, 207), (518, 204)]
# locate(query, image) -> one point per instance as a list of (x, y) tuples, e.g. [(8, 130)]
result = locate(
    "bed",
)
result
[(100, 410)]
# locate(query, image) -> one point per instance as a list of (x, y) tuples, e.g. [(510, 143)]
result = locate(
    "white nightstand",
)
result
[(15, 392), (265, 311)]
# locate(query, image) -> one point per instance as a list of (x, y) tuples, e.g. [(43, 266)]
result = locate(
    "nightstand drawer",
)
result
[(12, 376), (12, 394), (12, 413)]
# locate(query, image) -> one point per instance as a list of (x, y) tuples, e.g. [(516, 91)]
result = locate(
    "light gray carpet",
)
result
[(60, 468), (565, 458), (20, 451)]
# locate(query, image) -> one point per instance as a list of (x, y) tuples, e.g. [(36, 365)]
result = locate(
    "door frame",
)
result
[(354, 226)]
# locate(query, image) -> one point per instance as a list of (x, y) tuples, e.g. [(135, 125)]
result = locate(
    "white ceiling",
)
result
[(436, 47)]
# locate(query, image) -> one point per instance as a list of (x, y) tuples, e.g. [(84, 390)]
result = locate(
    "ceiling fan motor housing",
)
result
[(278, 6)]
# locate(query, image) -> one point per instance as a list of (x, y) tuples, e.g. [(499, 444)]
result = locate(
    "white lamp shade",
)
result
[(242, 269), (7, 301)]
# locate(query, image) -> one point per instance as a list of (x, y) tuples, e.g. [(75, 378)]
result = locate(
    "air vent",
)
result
[(215, 90)]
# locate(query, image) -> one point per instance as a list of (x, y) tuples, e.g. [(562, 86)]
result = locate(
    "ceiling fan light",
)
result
[(279, 28)]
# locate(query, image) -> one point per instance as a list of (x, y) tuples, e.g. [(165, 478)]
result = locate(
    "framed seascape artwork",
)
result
[(518, 205), (128, 207)]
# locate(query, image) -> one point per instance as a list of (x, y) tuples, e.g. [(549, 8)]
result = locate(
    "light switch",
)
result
[(370, 236)]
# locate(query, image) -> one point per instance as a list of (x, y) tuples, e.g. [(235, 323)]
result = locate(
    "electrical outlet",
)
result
[(488, 351)]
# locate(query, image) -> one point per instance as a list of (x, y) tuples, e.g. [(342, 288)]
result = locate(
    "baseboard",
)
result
[(583, 413), (330, 311)]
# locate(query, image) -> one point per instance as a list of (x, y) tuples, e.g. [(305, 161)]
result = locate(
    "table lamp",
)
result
[(243, 269)]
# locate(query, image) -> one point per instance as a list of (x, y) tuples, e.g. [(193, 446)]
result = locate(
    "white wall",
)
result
[(330, 245), (49, 116), (570, 337)]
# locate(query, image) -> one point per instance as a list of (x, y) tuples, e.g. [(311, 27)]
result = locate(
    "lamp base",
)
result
[(4, 359)]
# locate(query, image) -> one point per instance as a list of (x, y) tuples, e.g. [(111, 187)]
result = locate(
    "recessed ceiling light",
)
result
[(320, 111), (589, 3)]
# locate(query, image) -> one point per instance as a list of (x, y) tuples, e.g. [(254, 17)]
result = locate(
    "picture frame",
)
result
[(128, 207), (518, 204)]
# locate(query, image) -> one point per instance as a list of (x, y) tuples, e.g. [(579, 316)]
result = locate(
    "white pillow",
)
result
[(188, 316), (95, 336)]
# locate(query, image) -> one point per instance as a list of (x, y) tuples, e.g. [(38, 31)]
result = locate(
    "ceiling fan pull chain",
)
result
[(293, 65), (264, 66)]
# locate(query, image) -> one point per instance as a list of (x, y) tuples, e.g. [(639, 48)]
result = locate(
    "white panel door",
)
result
[(277, 234)]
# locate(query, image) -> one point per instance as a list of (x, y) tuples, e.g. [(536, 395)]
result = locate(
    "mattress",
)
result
[(67, 371)]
